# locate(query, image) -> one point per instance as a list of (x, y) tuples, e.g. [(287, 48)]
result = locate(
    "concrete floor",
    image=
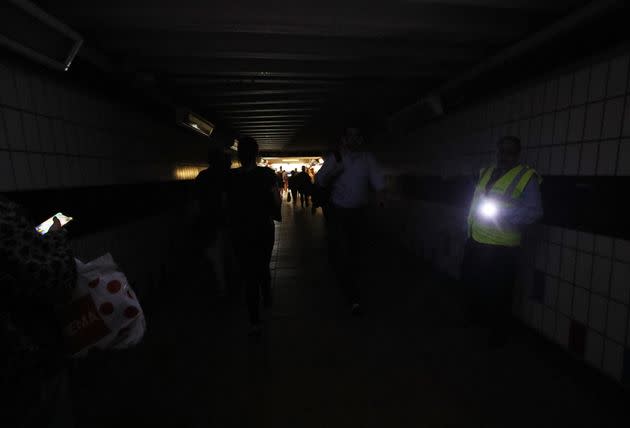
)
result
[(409, 362)]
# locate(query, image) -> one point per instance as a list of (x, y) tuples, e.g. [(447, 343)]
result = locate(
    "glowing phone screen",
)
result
[(43, 228)]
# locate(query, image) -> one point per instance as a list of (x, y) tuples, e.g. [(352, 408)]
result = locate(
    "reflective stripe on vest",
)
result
[(504, 191)]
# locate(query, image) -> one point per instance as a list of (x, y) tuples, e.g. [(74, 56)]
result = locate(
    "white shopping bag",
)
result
[(104, 312)]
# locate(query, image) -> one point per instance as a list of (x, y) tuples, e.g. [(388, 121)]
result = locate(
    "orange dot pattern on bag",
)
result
[(114, 286), (106, 308), (131, 311), (94, 283)]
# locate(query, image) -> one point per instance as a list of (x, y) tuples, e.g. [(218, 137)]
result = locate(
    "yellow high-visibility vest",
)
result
[(504, 192)]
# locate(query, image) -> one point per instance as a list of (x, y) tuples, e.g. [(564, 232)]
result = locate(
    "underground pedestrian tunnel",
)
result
[(108, 111)]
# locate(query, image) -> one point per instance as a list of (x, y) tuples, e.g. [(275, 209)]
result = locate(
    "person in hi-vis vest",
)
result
[(506, 199)]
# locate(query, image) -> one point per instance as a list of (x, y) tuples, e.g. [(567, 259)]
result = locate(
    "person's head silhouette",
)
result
[(247, 151)]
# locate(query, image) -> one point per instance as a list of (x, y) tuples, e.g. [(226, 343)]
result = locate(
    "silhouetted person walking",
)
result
[(210, 192), (293, 185), (349, 174), (303, 183), (254, 203)]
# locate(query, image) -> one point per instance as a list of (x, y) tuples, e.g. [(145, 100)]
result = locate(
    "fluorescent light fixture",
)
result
[(30, 31), (195, 122)]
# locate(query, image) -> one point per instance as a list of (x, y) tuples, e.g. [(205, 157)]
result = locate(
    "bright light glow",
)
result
[(187, 172), (488, 208), (194, 125), (292, 163), (43, 228)]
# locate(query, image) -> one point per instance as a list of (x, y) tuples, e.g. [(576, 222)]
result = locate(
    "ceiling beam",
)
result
[(272, 142), (361, 19), (294, 48), (266, 121), (269, 116), (258, 131), (270, 129), (257, 102), (240, 93), (220, 80), (240, 110), (302, 74), (263, 124), (262, 142), (261, 132), (273, 131), (374, 67), (255, 128), (262, 127)]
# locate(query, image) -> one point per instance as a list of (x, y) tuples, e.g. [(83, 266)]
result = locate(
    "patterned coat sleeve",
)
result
[(37, 273), (43, 266)]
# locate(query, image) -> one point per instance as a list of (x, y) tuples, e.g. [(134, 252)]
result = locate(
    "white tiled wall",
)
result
[(598, 297), (571, 123), (55, 134)]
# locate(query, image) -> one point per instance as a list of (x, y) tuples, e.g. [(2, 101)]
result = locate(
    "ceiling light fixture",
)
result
[(194, 122), (30, 31)]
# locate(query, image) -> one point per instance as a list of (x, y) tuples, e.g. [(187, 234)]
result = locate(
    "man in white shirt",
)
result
[(350, 174)]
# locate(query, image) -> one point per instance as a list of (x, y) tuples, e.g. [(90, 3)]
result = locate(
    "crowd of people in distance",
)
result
[(297, 185)]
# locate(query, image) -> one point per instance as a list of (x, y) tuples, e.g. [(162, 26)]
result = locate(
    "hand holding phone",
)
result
[(53, 224), (56, 225)]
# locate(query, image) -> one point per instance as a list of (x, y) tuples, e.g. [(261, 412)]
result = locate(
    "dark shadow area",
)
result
[(410, 361)]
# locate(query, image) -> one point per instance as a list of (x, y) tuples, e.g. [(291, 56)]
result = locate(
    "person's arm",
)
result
[(377, 179), (43, 265), (325, 173), (529, 208)]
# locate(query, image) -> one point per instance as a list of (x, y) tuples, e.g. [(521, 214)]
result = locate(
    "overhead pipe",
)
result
[(39, 14)]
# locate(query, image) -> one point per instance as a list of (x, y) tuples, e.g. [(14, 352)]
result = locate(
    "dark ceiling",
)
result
[(292, 73)]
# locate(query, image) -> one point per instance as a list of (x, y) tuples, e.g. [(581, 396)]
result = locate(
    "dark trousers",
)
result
[(294, 194), (253, 250), (489, 273), (303, 197), (345, 229)]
